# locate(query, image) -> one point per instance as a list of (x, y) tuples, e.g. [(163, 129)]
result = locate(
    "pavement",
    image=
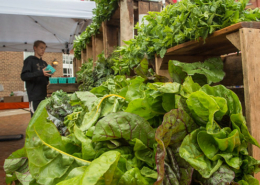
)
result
[(12, 122)]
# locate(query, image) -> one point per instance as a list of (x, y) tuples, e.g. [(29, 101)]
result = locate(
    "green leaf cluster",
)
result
[(90, 77), (131, 131), (103, 11), (178, 23)]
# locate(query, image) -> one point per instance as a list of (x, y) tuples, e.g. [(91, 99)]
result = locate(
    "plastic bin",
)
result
[(62, 80), (71, 80), (53, 80), (50, 68)]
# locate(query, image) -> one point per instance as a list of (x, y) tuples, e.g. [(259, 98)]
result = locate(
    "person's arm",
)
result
[(27, 73)]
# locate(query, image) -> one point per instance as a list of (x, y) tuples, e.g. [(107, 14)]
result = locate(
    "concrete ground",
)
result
[(11, 122)]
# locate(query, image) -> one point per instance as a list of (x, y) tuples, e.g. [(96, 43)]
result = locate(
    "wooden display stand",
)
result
[(244, 36), (69, 88), (122, 21)]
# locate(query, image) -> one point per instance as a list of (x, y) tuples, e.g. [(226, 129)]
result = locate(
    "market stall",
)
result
[(157, 110)]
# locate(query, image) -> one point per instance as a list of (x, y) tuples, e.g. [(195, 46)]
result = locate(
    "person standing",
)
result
[(35, 77)]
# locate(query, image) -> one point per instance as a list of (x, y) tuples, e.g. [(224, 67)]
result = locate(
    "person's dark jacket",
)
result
[(36, 82)]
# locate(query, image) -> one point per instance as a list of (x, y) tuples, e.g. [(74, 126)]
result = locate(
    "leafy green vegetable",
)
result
[(212, 68), (176, 125), (124, 125)]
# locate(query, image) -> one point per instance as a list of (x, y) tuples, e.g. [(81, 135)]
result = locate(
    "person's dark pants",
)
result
[(33, 106)]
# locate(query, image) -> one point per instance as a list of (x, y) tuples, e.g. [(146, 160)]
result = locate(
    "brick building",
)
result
[(11, 64)]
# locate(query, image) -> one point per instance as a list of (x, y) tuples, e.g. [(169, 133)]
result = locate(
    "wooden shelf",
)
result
[(69, 88), (215, 45)]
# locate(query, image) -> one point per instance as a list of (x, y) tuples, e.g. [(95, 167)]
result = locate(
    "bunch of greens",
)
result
[(178, 23), (90, 77), (132, 132), (58, 108), (102, 12)]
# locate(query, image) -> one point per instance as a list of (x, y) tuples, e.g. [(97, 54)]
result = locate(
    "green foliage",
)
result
[(125, 129), (102, 12), (178, 23), (90, 77)]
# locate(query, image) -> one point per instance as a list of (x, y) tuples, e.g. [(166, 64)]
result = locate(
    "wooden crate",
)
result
[(242, 36), (69, 88)]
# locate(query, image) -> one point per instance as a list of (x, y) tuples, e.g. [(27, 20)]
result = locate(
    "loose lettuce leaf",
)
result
[(48, 163), (233, 103), (100, 171), (224, 175), (212, 68), (191, 152), (189, 86), (147, 172), (16, 164), (176, 125), (88, 152), (143, 153), (142, 68), (124, 125), (133, 177)]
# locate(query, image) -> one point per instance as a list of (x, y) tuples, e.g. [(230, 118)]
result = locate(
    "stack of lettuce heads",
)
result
[(132, 132)]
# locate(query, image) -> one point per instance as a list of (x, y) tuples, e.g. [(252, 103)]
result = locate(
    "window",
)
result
[(68, 65)]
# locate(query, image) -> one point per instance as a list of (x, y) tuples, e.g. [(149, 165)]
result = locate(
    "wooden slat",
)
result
[(126, 21), (250, 61), (143, 7), (188, 59), (218, 38), (83, 55), (155, 7), (110, 38), (65, 87), (89, 51), (233, 70), (97, 46), (234, 38), (215, 45)]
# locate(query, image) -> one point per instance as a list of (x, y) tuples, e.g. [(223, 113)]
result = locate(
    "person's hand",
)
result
[(46, 73)]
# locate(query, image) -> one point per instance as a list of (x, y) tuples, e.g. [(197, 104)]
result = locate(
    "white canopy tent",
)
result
[(56, 22)]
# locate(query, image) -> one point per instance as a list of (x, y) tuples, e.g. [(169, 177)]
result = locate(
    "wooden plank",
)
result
[(155, 7), (74, 66), (89, 51), (188, 59), (110, 38), (65, 87), (83, 55), (250, 61), (143, 7), (97, 46), (216, 43), (233, 70), (126, 21), (234, 38)]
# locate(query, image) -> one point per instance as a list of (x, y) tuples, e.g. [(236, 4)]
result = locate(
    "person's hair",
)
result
[(37, 43)]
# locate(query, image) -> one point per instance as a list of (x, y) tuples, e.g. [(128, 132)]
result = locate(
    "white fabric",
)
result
[(50, 8), (56, 22)]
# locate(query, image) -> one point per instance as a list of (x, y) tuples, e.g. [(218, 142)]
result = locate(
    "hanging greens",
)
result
[(131, 131), (90, 76), (102, 12), (178, 23)]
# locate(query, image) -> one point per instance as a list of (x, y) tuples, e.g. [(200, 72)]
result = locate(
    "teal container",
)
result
[(71, 80), (53, 80), (62, 80), (50, 68)]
